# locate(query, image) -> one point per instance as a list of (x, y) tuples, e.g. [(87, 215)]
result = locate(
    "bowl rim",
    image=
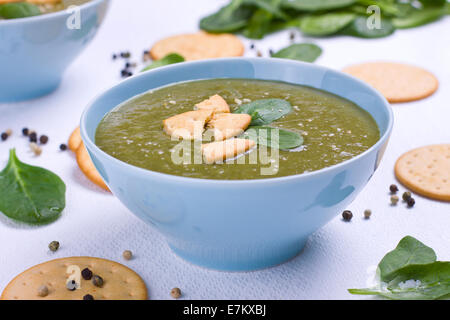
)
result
[(89, 144), (56, 14)]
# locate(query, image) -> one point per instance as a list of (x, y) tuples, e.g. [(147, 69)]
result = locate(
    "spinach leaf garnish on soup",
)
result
[(16, 10), (263, 136), (293, 129), (30, 194), (265, 111)]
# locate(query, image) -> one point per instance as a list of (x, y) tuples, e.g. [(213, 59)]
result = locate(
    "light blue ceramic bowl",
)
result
[(245, 224), (35, 51)]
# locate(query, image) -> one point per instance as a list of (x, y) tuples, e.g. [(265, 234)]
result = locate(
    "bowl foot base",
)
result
[(241, 261)]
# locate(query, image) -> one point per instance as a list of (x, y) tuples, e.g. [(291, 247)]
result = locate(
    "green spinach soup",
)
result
[(234, 129), (14, 9)]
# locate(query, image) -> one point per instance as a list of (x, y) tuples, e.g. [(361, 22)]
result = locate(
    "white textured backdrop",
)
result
[(337, 257)]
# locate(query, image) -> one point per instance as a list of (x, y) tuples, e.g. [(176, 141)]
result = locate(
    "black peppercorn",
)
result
[(406, 195), (347, 215), (4, 136), (86, 274), (252, 46), (292, 35), (393, 188), (410, 202), (114, 56), (88, 297), (271, 52), (97, 281), (124, 73), (130, 65), (63, 147), (25, 131), (33, 137), (43, 139), (125, 55)]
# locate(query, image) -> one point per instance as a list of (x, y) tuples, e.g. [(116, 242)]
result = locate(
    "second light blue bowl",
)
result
[(35, 51), (245, 224)]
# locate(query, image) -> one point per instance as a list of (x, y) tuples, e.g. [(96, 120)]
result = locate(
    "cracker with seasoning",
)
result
[(67, 279)]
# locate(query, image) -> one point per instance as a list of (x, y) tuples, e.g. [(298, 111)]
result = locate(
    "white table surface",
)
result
[(336, 257)]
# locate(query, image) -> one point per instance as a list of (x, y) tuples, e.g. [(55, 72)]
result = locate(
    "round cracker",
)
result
[(87, 167), (397, 82), (426, 171), (198, 46), (120, 282), (75, 139)]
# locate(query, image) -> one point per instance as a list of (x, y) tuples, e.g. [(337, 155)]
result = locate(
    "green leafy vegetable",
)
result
[(358, 28), (301, 51), (273, 137), (30, 194), (326, 24), (169, 59), (257, 18), (316, 5), (258, 24), (413, 282), (391, 8), (265, 111), (408, 251), (271, 6), (18, 10), (230, 18), (418, 17), (411, 271)]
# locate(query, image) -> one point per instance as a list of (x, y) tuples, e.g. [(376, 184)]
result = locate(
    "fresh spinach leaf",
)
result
[(169, 59), (316, 5), (30, 194), (258, 25), (408, 251), (426, 282), (387, 8), (359, 28), (265, 111), (308, 52), (230, 18), (418, 17), (411, 271), (273, 137), (278, 25), (271, 6), (18, 10), (326, 24)]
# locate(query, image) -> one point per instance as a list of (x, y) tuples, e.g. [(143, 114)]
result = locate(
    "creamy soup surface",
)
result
[(334, 129)]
